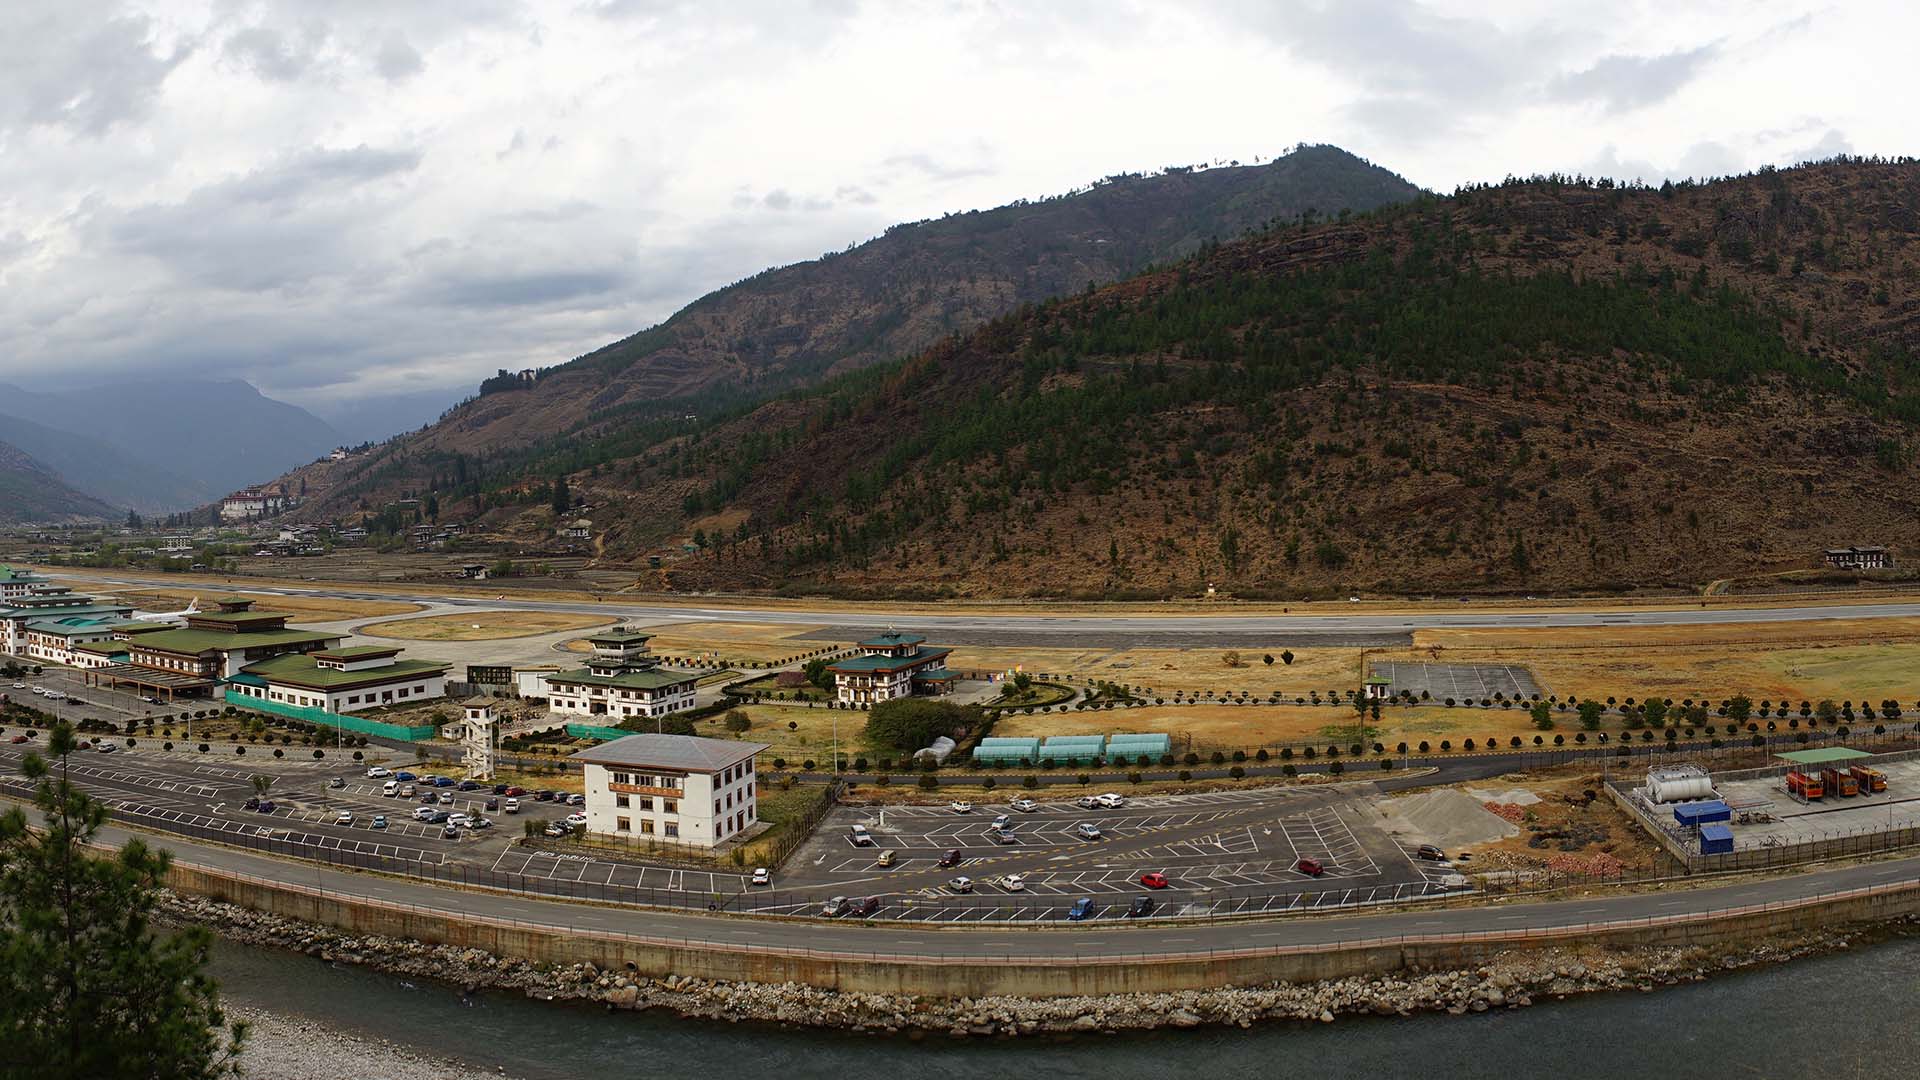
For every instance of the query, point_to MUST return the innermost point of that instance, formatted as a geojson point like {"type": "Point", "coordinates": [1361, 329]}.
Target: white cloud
{"type": "Point", "coordinates": [337, 198]}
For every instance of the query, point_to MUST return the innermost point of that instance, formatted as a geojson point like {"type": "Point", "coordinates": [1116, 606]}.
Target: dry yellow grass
{"type": "Point", "coordinates": [483, 625]}
{"type": "Point", "coordinates": [759, 642]}
{"type": "Point", "coordinates": [811, 736]}
{"type": "Point", "coordinates": [304, 609]}
{"type": "Point", "coordinates": [1167, 670]}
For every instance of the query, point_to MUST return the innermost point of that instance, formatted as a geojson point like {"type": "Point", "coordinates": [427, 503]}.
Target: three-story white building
{"type": "Point", "coordinates": [677, 789]}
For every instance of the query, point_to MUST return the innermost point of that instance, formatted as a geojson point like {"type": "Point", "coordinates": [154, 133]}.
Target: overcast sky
{"type": "Point", "coordinates": [345, 199]}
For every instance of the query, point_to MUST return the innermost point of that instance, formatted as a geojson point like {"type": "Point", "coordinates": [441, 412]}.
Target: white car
{"type": "Point", "coordinates": [1086, 802]}
{"type": "Point", "coordinates": [1111, 801]}
{"type": "Point", "coordinates": [1025, 806]}
{"type": "Point", "coordinates": [378, 771]}
{"type": "Point", "coordinates": [1014, 883]}
{"type": "Point", "coordinates": [961, 884]}
{"type": "Point", "coordinates": [960, 807]}
{"type": "Point", "coordinates": [860, 836]}
{"type": "Point", "coordinates": [761, 876]}
{"type": "Point", "coordinates": [458, 820]}
{"type": "Point", "coordinates": [1088, 831]}
{"type": "Point", "coordinates": [19, 686]}
{"type": "Point", "coordinates": [107, 747]}
{"type": "Point", "coordinates": [1000, 821]}
{"type": "Point", "coordinates": [576, 819]}
{"type": "Point", "coordinates": [344, 817]}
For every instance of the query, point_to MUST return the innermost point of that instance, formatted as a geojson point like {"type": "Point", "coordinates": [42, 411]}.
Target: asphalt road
{"type": "Point", "coordinates": [1139, 940]}
{"type": "Point", "coordinates": [1140, 628]}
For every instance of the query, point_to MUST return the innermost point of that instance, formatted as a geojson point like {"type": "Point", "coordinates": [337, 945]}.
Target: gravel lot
{"type": "Point", "coordinates": [283, 1047]}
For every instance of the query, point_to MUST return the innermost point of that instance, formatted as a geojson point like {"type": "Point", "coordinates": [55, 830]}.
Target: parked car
{"type": "Point", "coordinates": [961, 884]}
{"type": "Point", "coordinates": [835, 905]}
{"type": "Point", "coordinates": [424, 813]}
{"type": "Point", "coordinates": [1025, 806]}
{"type": "Point", "coordinates": [19, 739]}
{"type": "Point", "coordinates": [379, 822]}
{"type": "Point", "coordinates": [554, 828]}
{"type": "Point", "coordinates": [408, 791]}
{"type": "Point", "coordinates": [1110, 801]}
{"type": "Point", "coordinates": [543, 796]}
{"type": "Point", "coordinates": [1086, 802]}
{"type": "Point", "coordinates": [1142, 905]}
{"type": "Point", "coordinates": [445, 781]}
{"type": "Point", "coordinates": [390, 789]}
{"type": "Point", "coordinates": [492, 804]}
{"type": "Point", "coordinates": [469, 785]}
{"type": "Point", "coordinates": [576, 819]}
{"type": "Point", "coordinates": [451, 832]}
{"type": "Point", "coordinates": [1154, 879]}
{"type": "Point", "coordinates": [403, 774]}
{"type": "Point", "coordinates": [1002, 836]}
{"type": "Point", "coordinates": [500, 789]}
{"type": "Point", "coordinates": [512, 806]}
{"type": "Point", "coordinates": [1014, 883]}
{"type": "Point", "coordinates": [253, 802]}
{"type": "Point", "coordinates": [446, 798]}
{"type": "Point", "coordinates": [1088, 831]}
{"type": "Point", "coordinates": [515, 791]}
{"type": "Point", "coordinates": [1081, 909]}
{"type": "Point", "coordinates": [428, 779]}
{"type": "Point", "coordinates": [439, 817]}
{"type": "Point", "coordinates": [885, 858]}
{"type": "Point", "coordinates": [866, 905]}
{"type": "Point", "coordinates": [475, 821]}
{"type": "Point", "coordinates": [266, 806]}
{"type": "Point", "coordinates": [375, 772]}
{"type": "Point", "coordinates": [860, 836]}
{"type": "Point", "coordinates": [1000, 821]}
{"type": "Point", "coordinates": [337, 782]}
{"type": "Point", "coordinates": [457, 820]}
{"type": "Point", "coordinates": [761, 876]}
{"type": "Point", "coordinates": [344, 817]}
{"type": "Point", "coordinates": [1430, 852]}
{"type": "Point", "coordinates": [106, 747]}
{"type": "Point", "coordinates": [960, 807]}
{"type": "Point", "coordinates": [576, 799]}
{"type": "Point", "coordinates": [951, 858]}
{"type": "Point", "coordinates": [1310, 867]}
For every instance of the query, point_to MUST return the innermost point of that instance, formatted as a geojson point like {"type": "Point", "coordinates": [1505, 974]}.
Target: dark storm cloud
{"type": "Point", "coordinates": [510, 289]}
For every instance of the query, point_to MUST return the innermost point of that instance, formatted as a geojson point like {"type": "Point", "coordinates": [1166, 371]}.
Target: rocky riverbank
{"type": "Point", "coordinates": [281, 1047]}
{"type": "Point", "coordinates": [1513, 980]}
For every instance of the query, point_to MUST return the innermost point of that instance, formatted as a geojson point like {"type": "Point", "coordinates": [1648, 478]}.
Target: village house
{"type": "Point", "coordinates": [893, 665]}
{"type": "Point", "coordinates": [1858, 558]}
{"type": "Point", "coordinates": [620, 680]}
{"type": "Point", "coordinates": [672, 788]}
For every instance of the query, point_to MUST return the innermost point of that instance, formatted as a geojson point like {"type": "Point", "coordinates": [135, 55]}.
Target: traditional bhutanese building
{"type": "Point", "coordinates": [49, 607]}
{"type": "Point", "coordinates": [620, 680]}
{"type": "Point", "coordinates": [211, 648]}
{"type": "Point", "coordinates": [343, 680]}
{"type": "Point", "coordinates": [677, 789]}
{"type": "Point", "coordinates": [893, 665]}
{"type": "Point", "coordinates": [18, 582]}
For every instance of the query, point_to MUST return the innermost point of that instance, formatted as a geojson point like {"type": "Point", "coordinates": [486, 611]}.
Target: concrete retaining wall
{"type": "Point", "coordinates": [1035, 974]}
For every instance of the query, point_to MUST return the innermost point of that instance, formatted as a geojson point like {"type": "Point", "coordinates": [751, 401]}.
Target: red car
{"type": "Point", "coordinates": [1310, 867]}
{"type": "Point", "coordinates": [19, 738]}
{"type": "Point", "coordinates": [515, 792]}
{"type": "Point", "coordinates": [1154, 879]}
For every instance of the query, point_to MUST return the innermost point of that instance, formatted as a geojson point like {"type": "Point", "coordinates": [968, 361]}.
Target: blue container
{"type": "Point", "coordinates": [1716, 840]}
{"type": "Point", "coordinates": [1700, 813]}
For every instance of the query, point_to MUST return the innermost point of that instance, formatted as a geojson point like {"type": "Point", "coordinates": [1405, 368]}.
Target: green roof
{"type": "Point", "coordinates": [620, 637]}
{"type": "Point", "coordinates": [119, 611]}
{"type": "Point", "coordinates": [70, 627]}
{"type": "Point", "coordinates": [891, 640]}
{"type": "Point", "coordinates": [360, 652]}
{"type": "Point", "coordinates": [1822, 756]}
{"type": "Point", "coordinates": [300, 670]}
{"type": "Point", "coordinates": [634, 679]}
{"type": "Point", "coordinates": [195, 642]}
{"type": "Point", "coordinates": [865, 664]}
{"type": "Point", "coordinates": [239, 618]}
{"type": "Point", "coordinates": [1377, 680]}
{"type": "Point", "coordinates": [936, 674]}
{"type": "Point", "coordinates": [104, 648]}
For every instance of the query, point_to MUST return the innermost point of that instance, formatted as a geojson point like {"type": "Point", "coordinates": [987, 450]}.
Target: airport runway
{"type": "Point", "coordinates": [1116, 631]}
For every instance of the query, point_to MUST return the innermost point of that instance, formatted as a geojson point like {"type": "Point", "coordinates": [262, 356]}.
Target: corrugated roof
{"type": "Point", "coordinates": [635, 679]}
{"type": "Point", "coordinates": [670, 752]}
{"type": "Point", "coordinates": [866, 664]}
{"type": "Point", "coordinates": [195, 642]}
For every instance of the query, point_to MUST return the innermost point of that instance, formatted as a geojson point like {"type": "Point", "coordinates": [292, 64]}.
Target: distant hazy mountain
{"type": "Point", "coordinates": [31, 492]}
{"type": "Point", "coordinates": [197, 438]}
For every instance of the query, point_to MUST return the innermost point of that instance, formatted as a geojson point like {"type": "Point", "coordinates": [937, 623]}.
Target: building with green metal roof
{"type": "Point", "coordinates": [621, 680]}
{"type": "Point", "coordinates": [212, 647]}
{"type": "Point", "coordinates": [893, 665]}
{"type": "Point", "coordinates": [342, 680]}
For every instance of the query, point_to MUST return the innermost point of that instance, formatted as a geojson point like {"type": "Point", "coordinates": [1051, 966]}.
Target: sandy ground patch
{"type": "Point", "coordinates": [1448, 817]}
{"type": "Point", "coordinates": [1167, 670]}
{"type": "Point", "coordinates": [482, 625]}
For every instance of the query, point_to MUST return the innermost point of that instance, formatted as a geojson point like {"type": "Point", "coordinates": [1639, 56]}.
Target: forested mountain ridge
{"type": "Point", "coordinates": [1533, 385]}
{"type": "Point", "coordinates": [888, 298]}
{"type": "Point", "coordinates": [32, 493]}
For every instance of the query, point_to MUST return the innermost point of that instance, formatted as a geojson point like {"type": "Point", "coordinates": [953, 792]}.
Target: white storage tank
{"type": "Point", "coordinates": [1679, 783]}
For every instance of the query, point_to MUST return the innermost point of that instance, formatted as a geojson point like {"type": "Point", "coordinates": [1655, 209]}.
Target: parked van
{"type": "Point", "coordinates": [390, 788]}
{"type": "Point", "coordinates": [885, 859]}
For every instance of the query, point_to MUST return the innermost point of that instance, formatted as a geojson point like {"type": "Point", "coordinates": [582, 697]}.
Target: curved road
{"type": "Point", "coordinates": [990, 942]}
{"type": "Point", "coordinates": [1193, 626]}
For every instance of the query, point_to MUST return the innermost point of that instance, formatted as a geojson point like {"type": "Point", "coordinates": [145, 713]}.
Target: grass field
{"type": "Point", "coordinates": [305, 609]}
{"type": "Point", "coordinates": [483, 625]}
{"type": "Point", "coordinates": [1182, 669]}
{"type": "Point", "coordinates": [746, 642]}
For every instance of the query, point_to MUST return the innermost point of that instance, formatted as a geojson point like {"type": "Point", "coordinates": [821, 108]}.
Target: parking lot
{"type": "Point", "coordinates": [1458, 681]}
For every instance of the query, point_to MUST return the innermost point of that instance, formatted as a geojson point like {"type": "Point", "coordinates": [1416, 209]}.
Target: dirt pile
{"type": "Point", "coordinates": [1450, 818]}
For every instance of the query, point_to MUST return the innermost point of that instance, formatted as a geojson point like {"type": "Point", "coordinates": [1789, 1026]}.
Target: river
{"type": "Point", "coordinates": [1845, 1015]}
